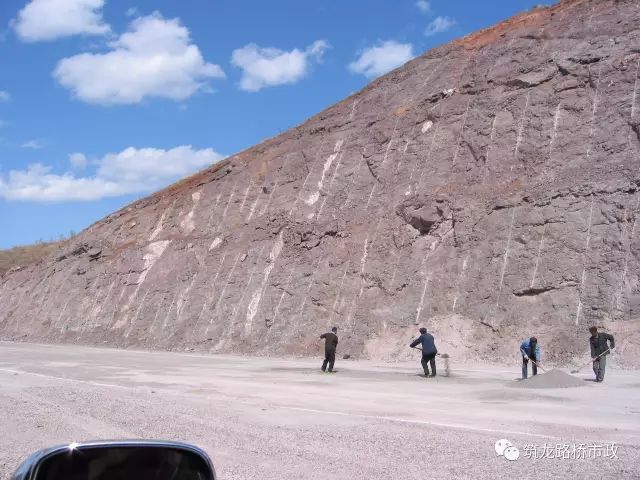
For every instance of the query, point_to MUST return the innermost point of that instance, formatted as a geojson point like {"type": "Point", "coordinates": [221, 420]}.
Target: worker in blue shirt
{"type": "Point", "coordinates": [530, 350]}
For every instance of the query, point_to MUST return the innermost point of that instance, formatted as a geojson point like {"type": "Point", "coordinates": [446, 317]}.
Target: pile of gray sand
{"type": "Point", "coordinates": [552, 379]}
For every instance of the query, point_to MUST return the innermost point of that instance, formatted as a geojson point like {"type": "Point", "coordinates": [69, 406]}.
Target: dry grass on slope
{"type": "Point", "coordinates": [24, 255]}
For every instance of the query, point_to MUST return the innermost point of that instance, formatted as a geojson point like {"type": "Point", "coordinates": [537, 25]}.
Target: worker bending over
{"type": "Point", "coordinates": [429, 351]}
{"type": "Point", "coordinates": [530, 350]}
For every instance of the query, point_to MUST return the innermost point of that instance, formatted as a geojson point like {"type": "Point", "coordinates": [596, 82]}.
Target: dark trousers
{"type": "Point", "coordinates": [429, 360]}
{"type": "Point", "coordinates": [599, 367]}
{"type": "Point", "coordinates": [329, 358]}
{"type": "Point", "coordinates": [525, 367]}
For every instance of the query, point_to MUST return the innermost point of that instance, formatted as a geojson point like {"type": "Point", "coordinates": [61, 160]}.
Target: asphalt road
{"type": "Point", "coordinates": [284, 419]}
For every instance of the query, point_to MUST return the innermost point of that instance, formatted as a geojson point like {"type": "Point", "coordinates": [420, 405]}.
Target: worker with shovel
{"type": "Point", "coordinates": [600, 350]}
{"type": "Point", "coordinates": [429, 351]}
{"type": "Point", "coordinates": [530, 350]}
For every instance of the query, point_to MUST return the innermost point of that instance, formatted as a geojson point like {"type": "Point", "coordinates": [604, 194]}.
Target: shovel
{"type": "Point", "coordinates": [590, 362]}
{"type": "Point", "coordinates": [537, 365]}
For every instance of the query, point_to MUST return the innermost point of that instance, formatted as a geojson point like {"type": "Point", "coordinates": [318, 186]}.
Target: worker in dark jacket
{"type": "Point", "coordinates": [330, 345]}
{"type": "Point", "coordinates": [530, 350]}
{"type": "Point", "coordinates": [429, 351]}
{"type": "Point", "coordinates": [600, 350]}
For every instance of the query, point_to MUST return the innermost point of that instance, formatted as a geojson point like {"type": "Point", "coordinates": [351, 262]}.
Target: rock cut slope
{"type": "Point", "coordinates": [487, 189]}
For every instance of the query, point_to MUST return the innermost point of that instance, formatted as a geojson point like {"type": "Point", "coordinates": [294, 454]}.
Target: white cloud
{"type": "Point", "coordinates": [50, 19]}
{"type": "Point", "coordinates": [380, 59]}
{"type": "Point", "coordinates": [424, 6]}
{"type": "Point", "coordinates": [155, 58]}
{"type": "Point", "coordinates": [439, 25]}
{"type": "Point", "coordinates": [4, 96]}
{"type": "Point", "coordinates": [78, 161]}
{"type": "Point", "coordinates": [130, 171]}
{"type": "Point", "coordinates": [131, 12]}
{"type": "Point", "coordinates": [268, 67]}
{"type": "Point", "coordinates": [33, 144]}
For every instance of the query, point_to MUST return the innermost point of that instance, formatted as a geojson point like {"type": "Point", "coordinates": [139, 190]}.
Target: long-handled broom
{"type": "Point", "coordinates": [446, 361]}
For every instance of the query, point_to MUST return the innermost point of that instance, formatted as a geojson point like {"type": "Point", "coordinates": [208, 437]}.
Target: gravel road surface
{"type": "Point", "coordinates": [280, 419]}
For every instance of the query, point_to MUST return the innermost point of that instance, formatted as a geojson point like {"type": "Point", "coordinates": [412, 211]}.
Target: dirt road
{"type": "Point", "coordinates": [284, 419]}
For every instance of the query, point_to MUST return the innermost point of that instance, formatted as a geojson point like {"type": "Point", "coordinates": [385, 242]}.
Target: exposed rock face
{"type": "Point", "coordinates": [487, 190]}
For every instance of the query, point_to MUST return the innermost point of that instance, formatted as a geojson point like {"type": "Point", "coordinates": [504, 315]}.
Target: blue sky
{"type": "Point", "coordinates": [105, 101]}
